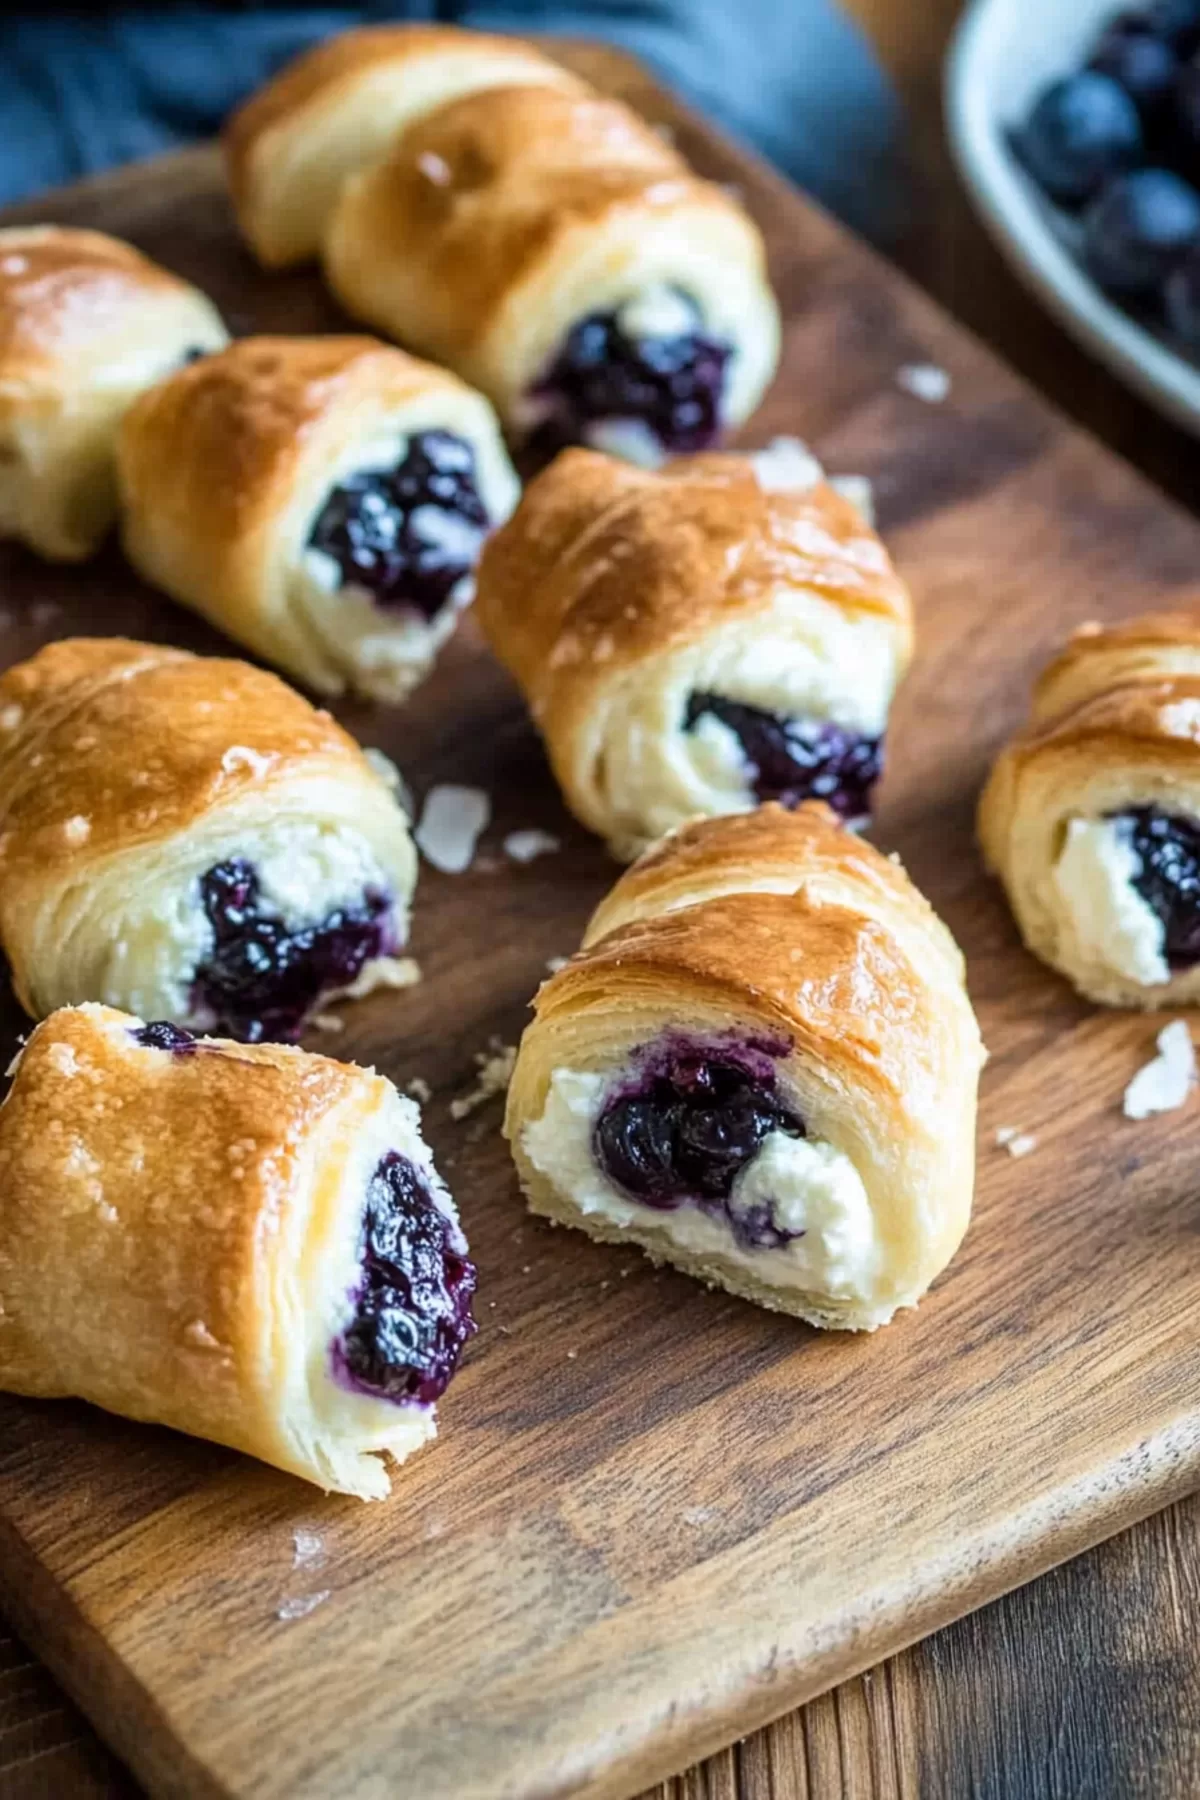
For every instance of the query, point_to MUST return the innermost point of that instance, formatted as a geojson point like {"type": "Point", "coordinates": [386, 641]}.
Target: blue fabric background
{"type": "Point", "coordinates": [792, 77]}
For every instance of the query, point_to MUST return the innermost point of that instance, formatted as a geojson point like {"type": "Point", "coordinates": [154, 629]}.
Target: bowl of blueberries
{"type": "Point", "coordinates": [1076, 125]}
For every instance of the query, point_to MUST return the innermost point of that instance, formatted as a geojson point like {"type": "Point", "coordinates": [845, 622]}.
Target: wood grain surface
{"type": "Point", "coordinates": [702, 1515]}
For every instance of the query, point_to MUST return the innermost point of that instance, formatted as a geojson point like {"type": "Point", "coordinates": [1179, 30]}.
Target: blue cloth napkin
{"type": "Point", "coordinates": [792, 77]}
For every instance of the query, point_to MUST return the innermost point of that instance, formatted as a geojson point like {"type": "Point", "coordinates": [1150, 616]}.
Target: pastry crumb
{"type": "Point", "coordinates": [327, 1021]}
{"type": "Point", "coordinates": [307, 1547]}
{"type": "Point", "coordinates": [240, 756]}
{"type": "Point", "coordinates": [1016, 1141]}
{"type": "Point", "coordinates": [1165, 1082]}
{"type": "Point", "coordinates": [452, 821]}
{"type": "Point", "coordinates": [555, 963]}
{"type": "Point", "coordinates": [383, 972]}
{"type": "Point", "coordinates": [859, 490]}
{"type": "Point", "coordinates": [526, 846]}
{"type": "Point", "coordinates": [199, 1336]}
{"type": "Point", "coordinates": [302, 1605]}
{"type": "Point", "coordinates": [698, 1515]}
{"type": "Point", "coordinates": [571, 1355]}
{"type": "Point", "coordinates": [786, 466]}
{"type": "Point", "coordinates": [418, 1089]}
{"type": "Point", "coordinates": [495, 1066]}
{"type": "Point", "coordinates": [924, 381]}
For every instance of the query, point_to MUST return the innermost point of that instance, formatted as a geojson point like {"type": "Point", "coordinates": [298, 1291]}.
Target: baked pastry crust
{"type": "Point", "coordinates": [1114, 726]}
{"type": "Point", "coordinates": [336, 110]}
{"type": "Point", "coordinates": [614, 592]}
{"type": "Point", "coordinates": [225, 467]}
{"type": "Point", "coordinates": [86, 323]}
{"type": "Point", "coordinates": [180, 1236]}
{"type": "Point", "coordinates": [501, 219]}
{"type": "Point", "coordinates": [126, 770]}
{"type": "Point", "coordinates": [780, 927]}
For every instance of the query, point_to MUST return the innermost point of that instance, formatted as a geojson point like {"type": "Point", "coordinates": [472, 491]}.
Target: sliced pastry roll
{"type": "Point", "coordinates": [1091, 815]}
{"type": "Point", "coordinates": [249, 1244]}
{"type": "Point", "coordinates": [86, 323]}
{"type": "Point", "coordinates": [336, 110]}
{"type": "Point", "coordinates": [556, 252]}
{"type": "Point", "coordinates": [697, 640]}
{"type": "Point", "coordinates": [761, 1067]}
{"type": "Point", "coordinates": [323, 500]}
{"type": "Point", "coordinates": [188, 839]}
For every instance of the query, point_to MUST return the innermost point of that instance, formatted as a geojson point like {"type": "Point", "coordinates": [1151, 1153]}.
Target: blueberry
{"type": "Point", "coordinates": [1138, 229]}
{"type": "Point", "coordinates": [160, 1034]}
{"type": "Point", "coordinates": [1081, 130]}
{"type": "Point", "coordinates": [261, 980]}
{"type": "Point", "coordinates": [635, 1142]}
{"type": "Point", "coordinates": [413, 1310]}
{"type": "Point", "coordinates": [1168, 847]}
{"type": "Point", "coordinates": [1181, 299]}
{"type": "Point", "coordinates": [791, 761]}
{"type": "Point", "coordinates": [673, 385]}
{"type": "Point", "coordinates": [686, 1134]}
{"type": "Point", "coordinates": [1178, 21]}
{"type": "Point", "coordinates": [1138, 60]}
{"type": "Point", "coordinates": [409, 534]}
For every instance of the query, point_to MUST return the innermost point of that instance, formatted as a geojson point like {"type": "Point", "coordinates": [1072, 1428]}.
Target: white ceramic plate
{"type": "Point", "coordinates": [1004, 53]}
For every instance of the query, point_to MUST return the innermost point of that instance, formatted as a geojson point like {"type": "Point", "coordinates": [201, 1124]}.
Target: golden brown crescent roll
{"type": "Point", "coordinates": [550, 247]}
{"type": "Point", "coordinates": [1091, 815]}
{"type": "Point", "coordinates": [336, 109]}
{"type": "Point", "coordinates": [762, 1067]}
{"type": "Point", "coordinates": [86, 323]}
{"type": "Point", "coordinates": [188, 839]}
{"type": "Point", "coordinates": [323, 500]}
{"type": "Point", "coordinates": [248, 1244]}
{"type": "Point", "coordinates": [696, 640]}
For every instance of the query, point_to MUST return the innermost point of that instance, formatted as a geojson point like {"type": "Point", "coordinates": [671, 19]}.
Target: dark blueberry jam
{"type": "Point", "coordinates": [262, 980]}
{"type": "Point", "coordinates": [686, 1129]}
{"type": "Point", "coordinates": [160, 1034]}
{"type": "Point", "coordinates": [793, 760]}
{"type": "Point", "coordinates": [413, 1310]}
{"type": "Point", "coordinates": [193, 353]}
{"type": "Point", "coordinates": [1169, 849]}
{"type": "Point", "coordinates": [672, 385]}
{"type": "Point", "coordinates": [409, 534]}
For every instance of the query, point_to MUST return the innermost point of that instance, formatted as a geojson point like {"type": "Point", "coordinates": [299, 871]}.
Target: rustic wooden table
{"type": "Point", "coordinates": [1086, 1683]}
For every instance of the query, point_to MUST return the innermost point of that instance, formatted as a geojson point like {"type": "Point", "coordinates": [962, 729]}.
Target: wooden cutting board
{"type": "Point", "coordinates": [657, 1517]}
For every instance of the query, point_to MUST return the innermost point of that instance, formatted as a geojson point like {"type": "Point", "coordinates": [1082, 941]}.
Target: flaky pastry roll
{"type": "Point", "coordinates": [188, 839]}
{"type": "Point", "coordinates": [337, 109]}
{"type": "Point", "coordinates": [697, 640]}
{"type": "Point", "coordinates": [1091, 815]}
{"type": "Point", "coordinates": [86, 323]}
{"type": "Point", "coordinates": [556, 252]}
{"type": "Point", "coordinates": [761, 1067]}
{"type": "Point", "coordinates": [323, 500]}
{"type": "Point", "coordinates": [249, 1244]}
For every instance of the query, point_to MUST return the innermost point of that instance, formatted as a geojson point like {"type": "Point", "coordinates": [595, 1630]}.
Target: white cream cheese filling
{"type": "Point", "coordinates": [811, 663]}
{"type": "Point", "coordinates": [804, 1185]}
{"type": "Point", "coordinates": [1112, 926]}
{"type": "Point", "coordinates": [306, 870]}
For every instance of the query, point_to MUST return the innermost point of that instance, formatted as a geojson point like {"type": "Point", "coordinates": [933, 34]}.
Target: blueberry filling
{"type": "Point", "coordinates": [160, 1034]}
{"type": "Point", "coordinates": [413, 1309]}
{"type": "Point", "coordinates": [262, 979]}
{"type": "Point", "coordinates": [792, 760]}
{"type": "Point", "coordinates": [687, 1128]}
{"type": "Point", "coordinates": [673, 385]}
{"type": "Point", "coordinates": [1168, 848]}
{"type": "Point", "coordinates": [409, 534]}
